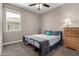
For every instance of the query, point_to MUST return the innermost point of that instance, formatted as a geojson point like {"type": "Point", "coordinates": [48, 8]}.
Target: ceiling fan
{"type": "Point", "coordinates": [39, 5]}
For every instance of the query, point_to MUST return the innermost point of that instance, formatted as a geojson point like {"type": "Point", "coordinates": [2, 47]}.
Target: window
{"type": "Point", "coordinates": [13, 20]}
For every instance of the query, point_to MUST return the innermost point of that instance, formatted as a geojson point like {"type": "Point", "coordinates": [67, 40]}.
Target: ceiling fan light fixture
{"type": "Point", "coordinates": [39, 6]}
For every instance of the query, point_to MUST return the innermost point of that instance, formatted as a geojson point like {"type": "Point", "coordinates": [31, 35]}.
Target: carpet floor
{"type": "Point", "coordinates": [19, 49]}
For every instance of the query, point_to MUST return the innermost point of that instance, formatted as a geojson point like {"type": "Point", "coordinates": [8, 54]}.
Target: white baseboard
{"type": "Point", "coordinates": [8, 43]}
{"type": "Point", "coordinates": [0, 50]}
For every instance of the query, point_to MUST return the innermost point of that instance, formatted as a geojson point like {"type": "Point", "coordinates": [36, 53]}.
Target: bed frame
{"type": "Point", "coordinates": [44, 46]}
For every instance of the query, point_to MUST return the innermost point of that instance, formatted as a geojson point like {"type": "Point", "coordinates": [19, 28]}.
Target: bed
{"type": "Point", "coordinates": [44, 42]}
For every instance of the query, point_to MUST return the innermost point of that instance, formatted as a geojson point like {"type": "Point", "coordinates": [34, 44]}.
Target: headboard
{"type": "Point", "coordinates": [56, 32]}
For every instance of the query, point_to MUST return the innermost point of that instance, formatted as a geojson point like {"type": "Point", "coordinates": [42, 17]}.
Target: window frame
{"type": "Point", "coordinates": [16, 12]}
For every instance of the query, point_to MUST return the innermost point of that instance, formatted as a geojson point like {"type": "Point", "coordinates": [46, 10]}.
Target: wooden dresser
{"type": "Point", "coordinates": [71, 38]}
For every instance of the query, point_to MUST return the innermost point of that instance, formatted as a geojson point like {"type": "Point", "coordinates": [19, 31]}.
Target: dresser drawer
{"type": "Point", "coordinates": [71, 38]}
{"type": "Point", "coordinates": [72, 42]}
{"type": "Point", "coordinates": [67, 29]}
{"type": "Point", "coordinates": [71, 32]}
{"type": "Point", "coordinates": [75, 30]}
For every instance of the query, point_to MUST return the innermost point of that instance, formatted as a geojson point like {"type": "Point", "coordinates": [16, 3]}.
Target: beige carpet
{"type": "Point", "coordinates": [19, 49]}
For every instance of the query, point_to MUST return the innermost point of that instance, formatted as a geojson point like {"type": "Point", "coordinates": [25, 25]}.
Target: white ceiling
{"type": "Point", "coordinates": [34, 9]}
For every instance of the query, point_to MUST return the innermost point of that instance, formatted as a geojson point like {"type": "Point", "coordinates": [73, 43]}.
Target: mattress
{"type": "Point", "coordinates": [41, 37]}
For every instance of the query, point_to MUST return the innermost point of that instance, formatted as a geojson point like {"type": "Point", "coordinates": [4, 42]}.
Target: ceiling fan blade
{"type": "Point", "coordinates": [32, 4]}
{"type": "Point", "coordinates": [46, 5]}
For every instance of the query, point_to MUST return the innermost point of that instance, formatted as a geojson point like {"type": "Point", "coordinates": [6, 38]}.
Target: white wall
{"type": "Point", "coordinates": [0, 27]}
{"type": "Point", "coordinates": [29, 25]}
{"type": "Point", "coordinates": [54, 19]}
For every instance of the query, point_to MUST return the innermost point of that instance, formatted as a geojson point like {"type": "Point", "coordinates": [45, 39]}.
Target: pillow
{"type": "Point", "coordinates": [56, 33]}
{"type": "Point", "coordinates": [48, 32]}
